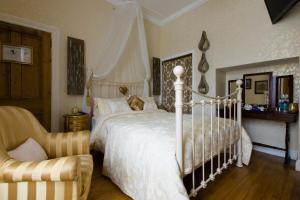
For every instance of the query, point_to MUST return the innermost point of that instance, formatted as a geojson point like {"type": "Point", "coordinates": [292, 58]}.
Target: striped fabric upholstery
{"type": "Point", "coordinates": [39, 191]}
{"type": "Point", "coordinates": [61, 169]}
{"type": "Point", "coordinates": [86, 166]}
{"type": "Point", "coordinates": [67, 144]}
{"type": "Point", "coordinates": [66, 176]}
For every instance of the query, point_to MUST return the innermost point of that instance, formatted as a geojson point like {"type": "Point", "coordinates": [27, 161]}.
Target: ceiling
{"type": "Point", "coordinates": [161, 12]}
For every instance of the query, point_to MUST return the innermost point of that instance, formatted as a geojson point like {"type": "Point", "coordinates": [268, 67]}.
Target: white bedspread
{"type": "Point", "coordinates": [140, 152]}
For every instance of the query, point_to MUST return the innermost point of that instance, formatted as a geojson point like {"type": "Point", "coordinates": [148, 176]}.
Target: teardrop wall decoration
{"type": "Point", "coordinates": [203, 65]}
{"type": "Point", "coordinates": [204, 43]}
{"type": "Point", "coordinates": [203, 87]}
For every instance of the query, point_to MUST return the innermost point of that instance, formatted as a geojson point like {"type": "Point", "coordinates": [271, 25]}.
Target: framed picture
{"type": "Point", "coordinates": [248, 83]}
{"type": "Point", "coordinates": [16, 54]}
{"type": "Point", "coordinates": [261, 87]}
{"type": "Point", "coordinates": [76, 67]}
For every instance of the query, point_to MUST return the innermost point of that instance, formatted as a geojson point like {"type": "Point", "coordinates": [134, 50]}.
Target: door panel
{"type": "Point", "coordinates": [31, 73]}
{"type": "Point", "coordinates": [4, 81]}
{"type": "Point", "coordinates": [4, 69]}
{"type": "Point", "coordinates": [27, 86]}
{"type": "Point", "coordinates": [15, 77]}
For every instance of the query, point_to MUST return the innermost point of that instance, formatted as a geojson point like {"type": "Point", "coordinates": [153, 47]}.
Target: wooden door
{"type": "Point", "coordinates": [27, 86]}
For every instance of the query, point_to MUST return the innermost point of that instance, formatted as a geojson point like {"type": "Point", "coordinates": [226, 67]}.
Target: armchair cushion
{"type": "Point", "coordinates": [63, 177]}
{"type": "Point", "coordinates": [86, 167]}
{"type": "Point", "coordinates": [61, 169]}
{"type": "Point", "coordinates": [30, 150]}
{"type": "Point", "coordinates": [67, 144]}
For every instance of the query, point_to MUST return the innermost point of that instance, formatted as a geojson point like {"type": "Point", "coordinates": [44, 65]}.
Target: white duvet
{"type": "Point", "coordinates": [139, 151]}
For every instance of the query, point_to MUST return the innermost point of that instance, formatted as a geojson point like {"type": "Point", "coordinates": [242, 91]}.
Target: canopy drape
{"type": "Point", "coordinates": [124, 59]}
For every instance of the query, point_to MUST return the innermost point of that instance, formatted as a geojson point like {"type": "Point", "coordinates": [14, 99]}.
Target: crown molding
{"type": "Point", "coordinates": [161, 22]}
{"type": "Point", "coordinates": [152, 16]}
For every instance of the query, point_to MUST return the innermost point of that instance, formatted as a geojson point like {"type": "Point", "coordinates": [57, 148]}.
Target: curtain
{"type": "Point", "coordinates": [123, 60]}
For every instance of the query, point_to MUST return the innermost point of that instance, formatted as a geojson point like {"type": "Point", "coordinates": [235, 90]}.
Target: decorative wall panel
{"type": "Point", "coordinates": [156, 76]}
{"type": "Point", "coordinates": [76, 68]}
{"type": "Point", "coordinates": [168, 78]}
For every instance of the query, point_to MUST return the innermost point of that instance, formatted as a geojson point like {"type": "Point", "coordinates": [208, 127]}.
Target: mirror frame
{"type": "Point", "coordinates": [229, 82]}
{"type": "Point", "coordinates": [291, 85]}
{"type": "Point", "coordinates": [271, 99]}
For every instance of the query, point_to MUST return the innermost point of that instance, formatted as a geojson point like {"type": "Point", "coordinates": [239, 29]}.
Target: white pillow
{"type": "Point", "coordinates": [30, 150]}
{"type": "Point", "coordinates": [111, 105]}
{"type": "Point", "coordinates": [120, 105]}
{"type": "Point", "coordinates": [101, 107]}
{"type": "Point", "coordinates": [149, 103]}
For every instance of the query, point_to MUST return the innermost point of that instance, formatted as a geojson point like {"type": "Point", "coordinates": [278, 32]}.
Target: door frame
{"type": "Point", "coordinates": [55, 42]}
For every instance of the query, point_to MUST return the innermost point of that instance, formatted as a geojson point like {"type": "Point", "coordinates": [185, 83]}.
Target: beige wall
{"type": "Point", "coordinates": [278, 68]}
{"type": "Point", "coordinates": [270, 132]}
{"type": "Point", "coordinates": [153, 39]}
{"type": "Point", "coordinates": [153, 42]}
{"type": "Point", "coordinates": [240, 33]}
{"type": "Point", "coordinates": [87, 20]}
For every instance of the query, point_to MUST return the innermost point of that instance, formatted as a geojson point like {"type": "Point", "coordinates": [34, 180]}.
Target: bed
{"type": "Point", "coordinates": [148, 153]}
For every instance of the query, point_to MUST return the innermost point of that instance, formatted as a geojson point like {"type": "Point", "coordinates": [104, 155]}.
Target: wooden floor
{"type": "Point", "coordinates": [264, 179]}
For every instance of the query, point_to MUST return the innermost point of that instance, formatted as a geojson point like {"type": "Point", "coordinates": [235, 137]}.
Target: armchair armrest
{"type": "Point", "coordinates": [67, 144]}
{"type": "Point", "coordinates": [61, 169]}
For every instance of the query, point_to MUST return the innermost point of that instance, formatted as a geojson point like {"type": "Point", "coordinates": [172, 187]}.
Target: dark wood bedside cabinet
{"type": "Point", "coordinates": [76, 122]}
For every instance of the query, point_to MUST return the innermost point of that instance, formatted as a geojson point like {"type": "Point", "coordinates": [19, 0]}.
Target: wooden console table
{"type": "Point", "coordinates": [287, 118]}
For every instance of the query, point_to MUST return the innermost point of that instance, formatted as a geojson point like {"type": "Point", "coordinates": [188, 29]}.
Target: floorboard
{"type": "Point", "coordinates": [264, 179]}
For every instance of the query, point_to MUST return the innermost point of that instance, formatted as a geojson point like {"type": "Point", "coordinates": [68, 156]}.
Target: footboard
{"type": "Point", "coordinates": [209, 106]}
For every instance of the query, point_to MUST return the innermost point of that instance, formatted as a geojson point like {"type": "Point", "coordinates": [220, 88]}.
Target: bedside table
{"type": "Point", "coordinates": [76, 122]}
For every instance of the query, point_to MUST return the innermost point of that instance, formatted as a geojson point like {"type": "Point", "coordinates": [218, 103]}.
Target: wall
{"type": "Point", "coordinates": [87, 20]}
{"type": "Point", "coordinates": [240, 33]}
{"type": "Point", "coordinates": [153, 39]}
{"type": "Point", "coordinates": [278, 68]}
{"type": "Point", "coordinates": [153, 42]}
{"type": "Point", "coordinates": [268, 132]}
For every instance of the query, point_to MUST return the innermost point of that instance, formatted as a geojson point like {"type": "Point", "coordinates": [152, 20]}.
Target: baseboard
{"type": "Point", "coordinates": [276, 152]}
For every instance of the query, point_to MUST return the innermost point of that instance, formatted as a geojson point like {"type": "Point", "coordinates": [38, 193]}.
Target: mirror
{"type": "Point", "coordinates": [258, 89]}
{"type": "Point", "coordinates": [231, 86]}
{"type": "Point", "coordinates": [284, 86]}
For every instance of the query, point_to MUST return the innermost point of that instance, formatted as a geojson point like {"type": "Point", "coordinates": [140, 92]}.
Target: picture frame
{"type": "Point", "coordinates": [16, 54]}
{"type": "Point", "coordinates": [248, 84]}
{"type": "Point", "coordinates": [261, 86]}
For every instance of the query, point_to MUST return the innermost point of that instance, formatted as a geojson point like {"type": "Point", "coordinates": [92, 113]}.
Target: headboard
{"type": "Point", "coordinates": [107, 89]}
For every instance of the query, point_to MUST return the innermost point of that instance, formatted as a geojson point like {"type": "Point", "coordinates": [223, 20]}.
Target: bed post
{"type": "Point", "coordinates": [239, 121]}
{"type": "Point", "coordinates": [178, 84]}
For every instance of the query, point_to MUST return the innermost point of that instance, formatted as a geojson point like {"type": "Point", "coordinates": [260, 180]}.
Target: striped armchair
{"type": "Point", "coordinates": [67, 173]}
